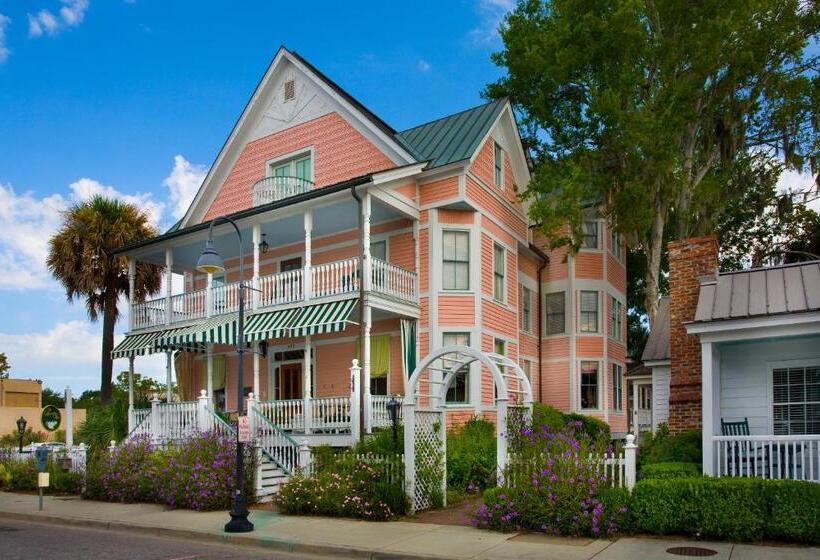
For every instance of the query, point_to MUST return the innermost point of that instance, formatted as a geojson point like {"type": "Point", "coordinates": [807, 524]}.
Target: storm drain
{"type": "Point", "coordinates": [691, 551]}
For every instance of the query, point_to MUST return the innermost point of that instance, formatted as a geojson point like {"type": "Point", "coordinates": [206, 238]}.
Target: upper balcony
{"type": "Point", "coordinates": [273, 189]}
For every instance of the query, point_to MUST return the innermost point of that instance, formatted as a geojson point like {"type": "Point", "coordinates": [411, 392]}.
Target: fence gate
{"type": "Point", "coordinates": [425, 416]}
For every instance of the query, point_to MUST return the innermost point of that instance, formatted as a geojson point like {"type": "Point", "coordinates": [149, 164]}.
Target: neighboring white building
{"type": "Point", "coordinates": [651, 394]}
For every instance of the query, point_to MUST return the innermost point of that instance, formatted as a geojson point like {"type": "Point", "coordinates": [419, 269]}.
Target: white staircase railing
{"type": "Point", "coordinates": [281, 288]}
{"type": "Point", "coordinates": [394, 281]}
{"type": "Point", "coordinates": [141, 420]}
{"type": "Point", "coordinates": [274, 442]}
{"type": "Point", "coordinates": [339, 277]}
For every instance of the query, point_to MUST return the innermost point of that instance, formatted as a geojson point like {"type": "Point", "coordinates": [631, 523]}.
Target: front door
{"type": "Point", "coordinates": [642, 419]}
{"type": "Point", "coordinates": [290, 381]}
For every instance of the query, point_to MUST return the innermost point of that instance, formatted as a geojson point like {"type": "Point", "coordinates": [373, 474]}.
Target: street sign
{"type": "Point", "coordinates": [41, 458]}
{"type": "Point", "coordinates": [244, 429]}
{"type": "Point", "coordinates": [42, 480]}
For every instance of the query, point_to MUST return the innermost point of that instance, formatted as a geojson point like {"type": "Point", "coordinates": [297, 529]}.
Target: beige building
{"type": "Point", "coordinates": [23, 397]}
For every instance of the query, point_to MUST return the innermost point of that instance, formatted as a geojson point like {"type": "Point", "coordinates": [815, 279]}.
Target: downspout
{"type": "Point", "coordinates": [361, 310]}
{"type": "Point", "coordinates": [544, 262]}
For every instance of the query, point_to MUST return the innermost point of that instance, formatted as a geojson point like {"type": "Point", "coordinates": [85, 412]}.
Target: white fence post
{"type": "Point", "coordinates": [112, 446]}
{"type": "Point", "coordinates": [305, 457]}
{"type": "Point", "coordinates": [69, 418]}
{"type": "Point", "coordinates": [631, 460]}
{"type": "Point", "coordinates": [355, 404]}
{"type": "Point", "coordinates": [251, 415]}
{"type": "Point", "coordinates": [203, 423]}
{"type": "Point", "coordinates": [501, 439]}
{"type": "Point", "coordinates": [156, 421]}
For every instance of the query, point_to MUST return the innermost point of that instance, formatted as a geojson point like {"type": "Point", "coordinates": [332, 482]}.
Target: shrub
{"type": "Point", "coordinates": [104, 424]}
{"type": "Point", "coordinates": [663, 447]}
{"type": "Point", "coordinates": [552, 487]}
{"type": "Point", "coordinates": [471, 456]}
{"type": "Point", "coordinates": [12, 440]}
{"type": "Point", "coordinates": [545, 415]}
{"type": "Point", "coordinates": [671, 470]}
{"type": "Point", "coordinates": [380, 442]}
{"type": "Point", "coordinates": [793, 511]}
{"type": "Point", "coordinates": [596, 430]}
{"type": "Point", "coordinates": [17, 476]}
{"type": "Point", "coordinates": [344, 486]}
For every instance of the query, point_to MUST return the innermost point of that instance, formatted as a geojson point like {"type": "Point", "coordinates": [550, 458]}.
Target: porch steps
{"type": "Point", "coordinates": [270, 478]}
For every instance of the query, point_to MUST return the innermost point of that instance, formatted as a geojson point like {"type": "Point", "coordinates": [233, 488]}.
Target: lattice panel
{"type": "Point", "coordinates": [430, 465]}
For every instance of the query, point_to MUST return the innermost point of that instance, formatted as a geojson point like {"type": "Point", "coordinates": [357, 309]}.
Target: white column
{"type": "Point", "coordinates": [710, 403]}
{"type": "Point", "coordinates": [368, 420]}
{"type": "Point", "coordinates": [307, 383]}
{"type": "Point", "coordinates": [366, 264]}
{"type": "Point", "coordinates": [169, 365]}
{"type": "Point", "coordinates": [305, 456]}
{"type": "Point", "coordinates": [169, 266]}
{"type": "Point", "coordinates": [501, 438]}
{"type": "Point", "coordinates": [131, 425]}
{"type": "Point", "coordinates": [257, 239]}
{"type": "Point", "coordinates": [202, 416]}
{"type": "Point", "coordinates": [631, 461]}
{"type": "Point", "coordinates": [307, 277]}
{"type": "Point", "coordinates": [209, 295]}
{"type": "Point", "coordinates": [69, 418]}
{"type": "Point", "coordinates": [132, 278]}
{"type": "Point", "coordinates": [355, 405]}
{"type": "Point", "coordinates": [255, 348]}
{"type": "Point", "coordinates": [210, 365]}
{"type": "Point", "coordinates": [156, 422]}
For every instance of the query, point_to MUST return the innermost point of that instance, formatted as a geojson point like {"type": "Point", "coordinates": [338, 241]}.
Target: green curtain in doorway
{"type": "Point", "coordinates": [219, 372]}
{"type": "Point", "coordinates": [379, 354]}
{"type": "Point", "coordinates": [408, 346]}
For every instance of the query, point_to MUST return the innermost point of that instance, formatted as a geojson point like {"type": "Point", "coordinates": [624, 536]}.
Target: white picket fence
{"type": "Point", "coordinates": [76, 454]}
{"type": "Point", "coordinates": [771, 457]}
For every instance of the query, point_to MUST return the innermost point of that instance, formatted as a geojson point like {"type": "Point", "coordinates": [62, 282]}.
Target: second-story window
{"type": "Point", "coordinates": [555, 320]}
{"type": "Point", "coordinates": [378, 250]}
{"type": "Point", "coordinates": [589, 312]}
{"type": "Point", "coordinates": [498, 165]}
{"type": "Point", "coordinates": [455, 260]}
{"type": "Point", "coordinates": [526, 309]}
{"type": "Point", "coordinates": [298, 167]}
{"type": "Point", "coordinates": [617, 319]}
{"type": "Point", "coordinates": [591, 234]}
{"type": "Point", "coordinates": [499, 272]}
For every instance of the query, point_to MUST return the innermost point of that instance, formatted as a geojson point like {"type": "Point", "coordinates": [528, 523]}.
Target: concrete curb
{"type": "Point", "coordinates": [269, 543]}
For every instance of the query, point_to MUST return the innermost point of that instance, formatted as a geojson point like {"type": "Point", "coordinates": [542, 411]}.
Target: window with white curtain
{"type": "Point", "coordinates": [455, 260]}
{"type": "Point", "coordinates": [796, 399]}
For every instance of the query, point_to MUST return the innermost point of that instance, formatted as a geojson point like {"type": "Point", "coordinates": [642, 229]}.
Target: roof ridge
{"type": "Point", "coordinates": [451, 115]}
{"type": "Point", "coordinates": [775, 267]}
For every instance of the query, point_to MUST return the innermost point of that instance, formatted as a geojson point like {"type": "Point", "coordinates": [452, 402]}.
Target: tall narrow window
{"type": "Point", "coordinates": [617, 388]}
{"type": "Point", "coordinates": [555, 320]}
{"type": "Point", "coordinates": [459, 391]}
{"type": "Point", "coordinates": [796, 400]}
{"type": "Point", "coordinates": [617, 319]}
{"type": "Point", "coordinates": [500, 346]}
{"type": "Point", "coordinates": [591, 234]}
{"type": "Point", "coordinates": [499, 165]}
{"type": "Point", "coordinates": [526, 310]}
{"type": "Point", "coordinates": [456, 260]}
{"type": "Point", "coordinates": [589, 384]}
{"type": "Point", "coordinates": [499, 272]}
{"type": "Point", "coordinates": [589, 312]}
{"type": "Point", "coordinates": [615, 244]}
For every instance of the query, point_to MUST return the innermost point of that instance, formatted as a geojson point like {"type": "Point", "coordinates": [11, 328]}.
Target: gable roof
{"type": "Point", "coordinates": [760, 292]}
{"type": "Point", "coordinates": [657, 345]}
{"type": "Point", "coordinates": [452, 138]}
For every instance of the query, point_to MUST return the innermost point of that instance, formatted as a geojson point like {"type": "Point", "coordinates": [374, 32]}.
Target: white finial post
{"type": "Point", "coordinates": [631, 461]}
{"type": "Point", "coordinates": [355, 401]}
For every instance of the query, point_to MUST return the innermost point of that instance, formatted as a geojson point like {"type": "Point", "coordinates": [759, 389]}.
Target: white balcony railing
{"type": "Point", "coordinates": [281, 288]}
{"type": "Point", "coordinates": [776, 457]}
{"type": "Point", "coordinates": [189, 305]}
{"type": "Point", "coordinates": [339, 277]}
{"type": "Point", "coordinates": [271, 189]}
{"type": "Point", "coordinates": [392, 280]}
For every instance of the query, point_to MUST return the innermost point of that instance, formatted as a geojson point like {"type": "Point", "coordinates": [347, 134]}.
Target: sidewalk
{"type": "Point", "coordinates": [360, 539]}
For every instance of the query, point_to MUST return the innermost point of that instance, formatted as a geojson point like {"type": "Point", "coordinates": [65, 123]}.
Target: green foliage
{"type": "Point", "coordinates": [545, 415]}
{"type": "Point", "coordinates": [29, 437]}
{"type": "Point", "coordinates": [663, 447]}
{"type": "Point", "coordinates": [104, 423]}
{"type": "Point", "coordinates": [346, 485]}
{"type": "Point", "coordinates": [381, 442]}
{"type": "Point", "coordinates": [21, 476]}
{"type": "Point", "coordinates": [430, 463]}
{"type": "Point", "coordinates": [596, 430]}
{"type": "Point", "coordinates": [671, 470]}
{"type": "Point", "coordinates": [738, 509]}
{"type": "Point", "coordinates": [471, 456]}
{"type": "Point", "coordinates": [4, 366]}
{"type": "Point", "coordinates": [53, 398]}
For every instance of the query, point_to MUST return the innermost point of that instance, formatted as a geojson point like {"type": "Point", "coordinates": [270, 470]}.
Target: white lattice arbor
{"type": "Point", "coordinates": [425, 415]}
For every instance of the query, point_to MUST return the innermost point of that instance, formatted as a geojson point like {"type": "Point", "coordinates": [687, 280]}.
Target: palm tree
{"type": "Point", "coordinates": [80, 258]}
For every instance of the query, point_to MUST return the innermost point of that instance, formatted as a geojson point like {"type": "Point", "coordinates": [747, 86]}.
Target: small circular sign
{"type": "Point", "coordinates": [51, 418]}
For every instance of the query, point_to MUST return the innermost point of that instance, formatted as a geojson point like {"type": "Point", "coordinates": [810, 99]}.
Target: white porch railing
{"type": "Point", "coordinates": [141, 420]}
{"type": "Point", "coordinates": [280, 288]}
{"type": "Point", "coordinates": [380, 417]}
{"type": "Point", "coordinates": [330, 413]}
{"type": "Point", "coordinates": [174, 421]}
{"type": "Point", "coordinates": [339, 277]}
{"type": "Point", "coordinates": [147, 314]}
{"type": "Point", "coordinates": [225, 298]}
{"type": "Point", "coordinates": [774, 457]}
{"type": "Point", "coordinates": [392, 280]}
{"type": "Point", "coordinates": [286, 414]}
{"type": "Point", "coordinates": [189, 305]}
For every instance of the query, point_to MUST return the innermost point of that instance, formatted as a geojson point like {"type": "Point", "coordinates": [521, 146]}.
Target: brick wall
{"type": "Point", "coordinates": [689, 260]}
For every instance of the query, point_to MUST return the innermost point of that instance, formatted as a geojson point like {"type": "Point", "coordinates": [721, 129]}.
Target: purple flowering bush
{"type": "Point", "coordinates": [552, 486]}
{"type": "Point", "coordinates": [198, 475]}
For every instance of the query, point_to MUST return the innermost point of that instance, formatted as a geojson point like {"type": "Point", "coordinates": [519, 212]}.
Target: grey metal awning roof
{"type": "Point", "coordinates": [657, 345]}
{"type": "Point", "coordinates": [791, 288]}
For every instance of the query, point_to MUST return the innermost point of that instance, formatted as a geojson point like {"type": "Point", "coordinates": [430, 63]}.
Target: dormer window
{"type": "Point", "coordinates": [299, 167]}
{"type": "Point", "coordinates": [289, 90]}
{"type": "Point", "coordinates": [499, 166]}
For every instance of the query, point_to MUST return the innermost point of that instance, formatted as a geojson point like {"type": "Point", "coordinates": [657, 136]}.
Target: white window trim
{"type": "Point", "coordinates": [616, 252]}
{"type": "Point", "coordinates": [503, 298]}
{"type": "Point", "coordinates": [599, 408]}
{"type": "Point", "coordinates": [599, 238]}
{"type": "Point", "coordinates": [498, 149]}
{"type": "Point", "coordinates": [290, 158]}
{"type": "Point", "coordinates": [770, 367]}
{"type": "Point", "coordinates": [611, 333]}
{"type": "Point", "coordinates": [528, 328]}
{"type": "Point", "coordinates": [470, 267]}
{"type": "Point", "coordinates": [469, 402]}
{"type": "Point", "coordinates": [578, 315]}
{"type": "Point", "coordinates": [544, 318]}
{"type": "Point", "coordinates": [621, 407]}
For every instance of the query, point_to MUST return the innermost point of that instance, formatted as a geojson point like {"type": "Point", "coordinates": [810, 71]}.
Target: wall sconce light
{"type": "Point", "coordinates": [263, 245]}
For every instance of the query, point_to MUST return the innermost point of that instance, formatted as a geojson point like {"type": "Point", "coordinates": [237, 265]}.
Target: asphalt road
{"type": "Point", "coordinates": [24, 540]}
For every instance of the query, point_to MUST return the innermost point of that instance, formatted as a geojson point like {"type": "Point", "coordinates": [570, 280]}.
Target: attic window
{"type": "Point", "coordinates": [289, 90]}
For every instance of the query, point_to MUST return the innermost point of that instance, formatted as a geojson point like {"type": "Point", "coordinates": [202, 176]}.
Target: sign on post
{"type": "Point", "coordinates": [41, 458]}
{"type": "Point", "coordinates": [244, 434]}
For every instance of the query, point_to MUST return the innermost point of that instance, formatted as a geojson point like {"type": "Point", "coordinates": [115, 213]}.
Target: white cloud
{"type": "Point", "coordinates": [5, 21]}
{"type": "Point", "coordinates": [73, 11]}
{"type": "Point", "coordinates": [183, 184]}
{"type": "Point", "coordinates": [423, 65]}
{"type": "Point", "coordinates": [491, 13]}
{"type": "Point", "coordinates": [85, 188]}
{"type": "Point", "coordinates": [792, 180]}
{"type": "Point", "coordinates": [44, 22]}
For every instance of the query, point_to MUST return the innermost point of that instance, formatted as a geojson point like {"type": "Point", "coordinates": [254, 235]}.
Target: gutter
{"type": "Point", "coordinates": [544, 262]}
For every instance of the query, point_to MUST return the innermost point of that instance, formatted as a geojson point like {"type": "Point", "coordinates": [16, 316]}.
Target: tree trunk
{"type": "Point", "coordinates": [654, 250]}
{"type": "Point", "coordinates": [106, 362]}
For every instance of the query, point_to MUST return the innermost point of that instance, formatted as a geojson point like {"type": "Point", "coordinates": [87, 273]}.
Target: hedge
{"type": "Point", "coordinates": [737, 509]}
{"type": "Point", "coordinates": [671, 470]}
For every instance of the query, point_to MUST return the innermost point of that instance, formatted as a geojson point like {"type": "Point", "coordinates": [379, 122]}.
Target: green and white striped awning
{"type": "Point", "coordinates": [138, 344]}
{"type": "Point", "coordinates": [217, 330]}
{"type": "Point", "coordinates": [322, 318]}
{"type": "Point", "coordinates": [273, 324]}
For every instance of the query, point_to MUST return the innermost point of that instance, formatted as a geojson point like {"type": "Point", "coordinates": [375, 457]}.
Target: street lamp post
{"type": "Point", "coordinates": [393, 412]}
{"type": "Point", "coordinates": [21, 430]}
{"type": "Point", "coordinates": [210, 262]}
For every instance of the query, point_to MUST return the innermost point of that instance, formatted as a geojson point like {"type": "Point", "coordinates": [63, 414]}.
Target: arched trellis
{"type": "Point", "coordinates": [425, 420]}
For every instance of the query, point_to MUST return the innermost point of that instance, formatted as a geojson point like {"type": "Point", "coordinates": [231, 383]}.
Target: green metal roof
{"type": "Point", "coordinates": [452, 138]}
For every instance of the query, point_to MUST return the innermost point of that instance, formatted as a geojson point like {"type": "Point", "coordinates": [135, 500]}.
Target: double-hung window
{"type": "Point", "coordinates": [796, 399]}
{"type": "Point", "coordinates": [555, 320]}
{"type": "Point", "coordinates": [617, 319]}
{"type": "Point", "coordinates": [498, 165]}
{"type": "Point", "coordinates": [459, 391]}
{"type": "Point", "coordinates": [526, 309]}
{"type": "Point", "coordinates": [298, 167]}
{"type": "Point", "coordinates": [615, 244]}
{"type": "Point", "coordinates": [589, 385]}
{"type": "Point", "coordinates": [617, 387]}
{"type": "Point", "coordinates": [591, 234]}
{"type": "Point", "coordinates": [589, 312]}
{"type": "Point", "coordinates": [456, 260]}
{"type": "Point", "coordinates": [499, 272]}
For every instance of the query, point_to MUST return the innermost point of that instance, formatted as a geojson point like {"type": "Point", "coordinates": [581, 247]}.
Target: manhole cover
{"type": "Point", "coordinates": [691, 551]}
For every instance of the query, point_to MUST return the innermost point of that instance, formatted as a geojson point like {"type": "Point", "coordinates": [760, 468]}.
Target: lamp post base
{"type": "Point", "coordinates": [239, 518]}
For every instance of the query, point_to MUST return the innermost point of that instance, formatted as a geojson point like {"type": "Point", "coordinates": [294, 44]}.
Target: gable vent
{"type": "Point", "coordinates": [289, 90]}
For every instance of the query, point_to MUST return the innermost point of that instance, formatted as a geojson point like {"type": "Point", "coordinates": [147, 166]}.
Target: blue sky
{"type": "Point", "coordinates": [134, 99]}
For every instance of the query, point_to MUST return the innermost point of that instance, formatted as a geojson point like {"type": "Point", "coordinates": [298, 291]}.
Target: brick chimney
{"type": "Point", "coordinates": [689, 261]}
